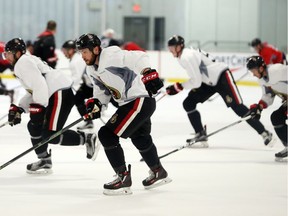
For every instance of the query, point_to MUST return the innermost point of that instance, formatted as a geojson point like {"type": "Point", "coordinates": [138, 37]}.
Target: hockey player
{"type": "Point", "coordinates": [49, 99]}
{"type": "Point", "coordinates": [4, 64]}
{"type": "Point", "coordinates": [44, 45]}
{"type": "Point", "coordinates": [273, 79]}
{"type": "Point", "coordinates": [117, 73]}
{"type": "Point", "coordinates": [82, 83]}
{"type": "Point", "coordinates": [108, 38]}
{"type": "Point", "coordinates": [206, 77]}
{"type": "Point", "coordinates": [270, 54]}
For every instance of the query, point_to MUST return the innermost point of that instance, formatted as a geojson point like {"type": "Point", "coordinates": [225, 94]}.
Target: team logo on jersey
{"type": "Point", "coordinates": [228, 99]}
{"type": "Point", "coordinates": [114, 92]}
{"type": "Point", "coordinates": [114, 118]}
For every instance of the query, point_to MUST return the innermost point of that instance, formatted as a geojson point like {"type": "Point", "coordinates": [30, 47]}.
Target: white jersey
{"type": "Point", "coordinates": [119, 73]}
{"type": "Point", "coordinates": [275, 83]}
{"type": "Point", "coordinates": [77, 66]}
{"type": "Point", "coordinates": [40, 80]}
{"type": "Point", "coordinates": [200, 68]}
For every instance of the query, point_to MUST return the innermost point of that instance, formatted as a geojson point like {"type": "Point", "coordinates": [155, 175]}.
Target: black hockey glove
{"type": "Point", "coordinates": [256, 109]}
{"type": "Point", "coordinates": [174, 89]}
{"type": "Point", "coordinates": [37, 114]}
{"type": "Point", "coordinates": [14, 115]}
{"type": "Point", "coordinates": [152, 81]}
{"type": "Point", "coordinates": [93, 108]}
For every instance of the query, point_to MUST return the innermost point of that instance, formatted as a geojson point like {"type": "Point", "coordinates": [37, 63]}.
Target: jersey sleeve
{"type": "Point", "coordinates": [268, 95]}
{"type": "Point", "coordinates": [191, 63]}
{"type": "Point", "coordinates": [136, 60]}
{"type": "Point", "coordinates": [33, 80]}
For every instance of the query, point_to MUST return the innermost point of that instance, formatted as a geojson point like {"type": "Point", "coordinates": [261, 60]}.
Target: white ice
{"type": "Point", "coordinates": [235, 176]}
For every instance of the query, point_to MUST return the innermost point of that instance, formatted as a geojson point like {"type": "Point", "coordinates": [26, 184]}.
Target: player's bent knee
{"type": "Point", "coordinates": [108, 138]}
{"type": "Point", "coordinates": [277, 118]}
{"type": "Point", "coordinates": [34, 130]}
{"type": "Point", "coordinates": [188, 105]}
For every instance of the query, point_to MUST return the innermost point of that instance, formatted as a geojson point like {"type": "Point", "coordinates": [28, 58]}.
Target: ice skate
{"type": "Point", "coordinates": [43, 166]}
{"type": "Point", "coordinates": [86, 125]}
{"type": "Point", "coordinates": [157, 177]}
{"type": "Point", "coordinates": [92, 147]}
{"type": "Point", "coordinates": [281, 156]}
{"type": "Point", "coordinates": [200, 140]}
{"type": "Point", "coordinates": [121, 185]}
{"type": "Point", "coordinates": [268, 138]}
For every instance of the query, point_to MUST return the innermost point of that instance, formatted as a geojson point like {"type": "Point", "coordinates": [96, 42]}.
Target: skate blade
{"type": "Point", "coordinates": [272, 142]}
{"type": "Point", "coordinates": [203, 144]}
{"type": "Point", "coordinates": [86, 128]}
{"type": "Point", "coordinates": [282, 160]}
{"type": "Point", "coordinates": [97, 148]}
{"type": "Point", "coordinates": [120, 191]}
{"type": "Point", "coordinates": [159, 183]}
{"type": "Point", "coordinates": [40, 172]}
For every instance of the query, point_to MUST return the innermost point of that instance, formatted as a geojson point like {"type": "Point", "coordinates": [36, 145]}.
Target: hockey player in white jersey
{"type": "Point", "coordinates": [48, 100]}
{"type": "Point", "coordinates": [117, 73]}
{"type": "Point", "coordinates": [207, 77]}
{"type": "Point", "coordinates": [82, 83]}
{"type": "Point", "coordinates": [273, 80]}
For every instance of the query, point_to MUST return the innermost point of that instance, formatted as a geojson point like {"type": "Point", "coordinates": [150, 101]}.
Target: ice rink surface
{"type": "Point", "coordinates": [235, 176]}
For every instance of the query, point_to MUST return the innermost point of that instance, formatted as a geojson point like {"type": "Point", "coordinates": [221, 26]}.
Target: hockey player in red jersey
{"type": "Point", "coordinates": [270, 54]}
{"type": "Point", "coordinates": [207, 77]}
{"type": "Point", "coordinates": [48, 100]}
{"type": "Point", "coordinates": [4, 65]}
{"type": "Point", "coordinates": [273, 80]}
{"type": "Point", "coordinates": [117, 73]}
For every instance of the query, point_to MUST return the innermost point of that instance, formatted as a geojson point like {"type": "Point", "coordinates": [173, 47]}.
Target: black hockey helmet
{"type": "Point", "coordinates": [70, 44]}
{"type": "Point", "coordinates": [16, 44]}
{"type": "Point", "coordinates": [255, 62]}
{"type": "Point", "coordinates": [87, 41]}
{"type": "Point", "coordinates": [255, 42]}
{"type": "Point", "coordinates": [176, 40]}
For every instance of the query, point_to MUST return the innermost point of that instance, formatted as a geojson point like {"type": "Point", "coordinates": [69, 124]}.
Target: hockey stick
{"type": "Point", "coordinates": [56, 134]}
{"type": "Point", "coordinates": [101, 119]}
{"type": "Point", "coordinates": [216, 96]}
{"type": "Point", "coordinates": [2, 125]}
{"type": "Point", "coordinates": [194, 140]}
{"type": "Point", "coordinates": [163, 95]}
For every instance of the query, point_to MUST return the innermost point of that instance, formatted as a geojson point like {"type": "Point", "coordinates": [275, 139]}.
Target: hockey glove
{"type": "Point", "coordinates": [174, 89]}
{"type": "Point", "coordinates": [152, 81]}
{"type": "Point", "coordinates": [37, 114]}
{"type": "Point", "coordinates": [93, 108]}
{"type": "Point", "coordinates": [256, 109]}
{"type": "Point", "coordinates": [14, 115]}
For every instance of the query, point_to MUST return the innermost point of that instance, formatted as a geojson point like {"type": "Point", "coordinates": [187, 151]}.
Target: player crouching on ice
{"type": "Point", "coordinates": [127, 77]}
{"type": "Point", "coordinates": [273, 80]}
{"type": "Point", "coordinates": [49, 100]}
